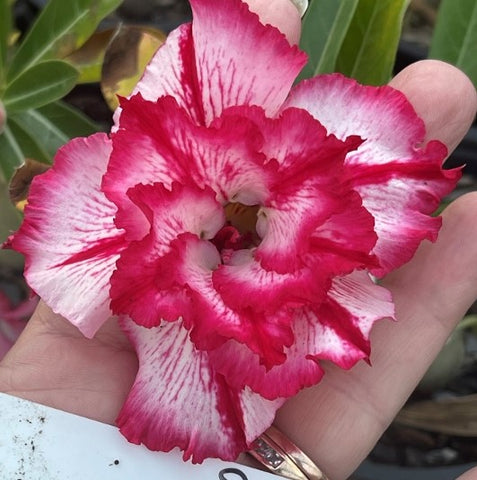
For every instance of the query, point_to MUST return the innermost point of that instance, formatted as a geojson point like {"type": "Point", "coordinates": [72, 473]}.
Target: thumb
{"type": "Point", "coordinates": [469, 475]}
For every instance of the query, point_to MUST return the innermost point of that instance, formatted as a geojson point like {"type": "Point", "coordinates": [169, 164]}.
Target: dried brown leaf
{"type": "Point", "coordinates": [126, 57]}
{"type": "Point", "coordinates": [450, 416]}
{"type": "Point", "coordinates": [20, 183]}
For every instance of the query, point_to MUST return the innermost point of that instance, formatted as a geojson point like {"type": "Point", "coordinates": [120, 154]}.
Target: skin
{"type": "Point", "coordinates": [338, 421]}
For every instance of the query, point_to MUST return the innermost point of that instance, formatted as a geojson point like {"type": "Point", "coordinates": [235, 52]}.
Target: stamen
{"type": "Point", "coordinates": [242, 217]}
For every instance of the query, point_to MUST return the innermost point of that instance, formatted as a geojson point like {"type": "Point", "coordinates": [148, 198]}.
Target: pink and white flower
{"type": "Point", "coordinates": [232, 222]}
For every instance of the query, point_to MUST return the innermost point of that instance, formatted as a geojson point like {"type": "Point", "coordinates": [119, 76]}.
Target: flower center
{"type": "Point", "coordinates": [243, 218]}
{"type": "Point", "coordinates": [239, 231]}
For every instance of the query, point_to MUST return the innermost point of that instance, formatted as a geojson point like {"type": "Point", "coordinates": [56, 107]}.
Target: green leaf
{"type": "Point", "coordinates": [52, 126]}
{"type": "Point", "coordinates": [68, 119]}
{"type": "Point", "coordinates": [11, 155]}
{"type": "Point", "coordinates": [29, 143]}
{"type": "Point", "coordinates": [41, 84]}
{"type": "Point", "coordinates": [324, 28]}
{"type": "Point", "coordinates": [455, 35]}
{"type": "Point", "coordinates": [10, 220]}
{"type": "Point", "coordinates": [5, 28]}
{"type": "Point", "coordinates": [62, 27]}
{"type": "Point", "coordinates": [369, 50]}
{"type": "Point", "coordinates": [48, 136]}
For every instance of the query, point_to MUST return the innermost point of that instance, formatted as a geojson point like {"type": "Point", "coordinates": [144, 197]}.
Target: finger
{"type": "Point", "coordinates": [443, 97]}
{"type": "Point", "coordinates": [338, 421]}
{"type": "Point", "coordinates": [470, 475]}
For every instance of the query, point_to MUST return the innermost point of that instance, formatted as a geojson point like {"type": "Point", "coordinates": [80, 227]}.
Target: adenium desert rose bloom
{"type": "Point", "coordinates": [232, 223]}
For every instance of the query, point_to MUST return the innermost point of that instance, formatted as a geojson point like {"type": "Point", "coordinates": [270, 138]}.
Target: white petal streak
{"type": "Point", "coordinates": [171, 72]}
{"type": "Point", "coordinates": [258, 413]}
{"type": "Point", "coordinates": [382, 116]}
{"type": "Point", "coordinates": [179, 401]}
{"type": "Point", "coordinates": [69, 237]}
{"type": "Point", "coordinates": [247, 63]}
{"type": "Point", "coordinates": [364, 300]}
{"type": "Point", "coordinates": [341, 326]}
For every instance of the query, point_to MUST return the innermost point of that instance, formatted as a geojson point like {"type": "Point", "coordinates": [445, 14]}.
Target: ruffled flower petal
{"type": "Point", "coordinates": [145, 285]}
{"type": "Point", "coordinates": [307, 230]}
{"type": "Point", "coordinates": [69, 238]}
{"type": "Point", "coordinates": [400, 182]}
{"type": "Point", "coordinates": [307, 188]}
{"type": "Point", "coordinates": [338, 331]}
{"type": "Point", "coordinates": [182, 209]}
{"type": "Point", "coordinates": [242, 367]}
{"type": "Point", "coordinates": [208, 76]}
{"type": "Point", "coordinates": [402, 198]}
{"type": "Point", "coordinates": [171, 72]}
{"type": "Point", "coordinates": [342, 323]}
{"type": "Point", "coordinates": [143, 152]}
{"type": "Point", "coordinates": [159, 143]}
{"type": "Point", "coordinates": [227, 72]}
{"type": "Point", "coordinates": [266, 291]}
{"type": "Point", "coordinates": [344, 242]}
{"type": "Point", "coordinates": [178, 400]}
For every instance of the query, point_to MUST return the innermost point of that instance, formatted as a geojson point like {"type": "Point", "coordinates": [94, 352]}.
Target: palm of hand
{"type": "Point", "coordinates": [52, 363]}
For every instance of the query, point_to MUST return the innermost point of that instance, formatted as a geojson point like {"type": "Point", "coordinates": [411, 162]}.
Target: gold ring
{"type": "Point", "coordinates": [280, 456]}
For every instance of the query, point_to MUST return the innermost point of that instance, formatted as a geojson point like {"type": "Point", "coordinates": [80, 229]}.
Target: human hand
{"type": "Point", "coordinates": [338, 421]}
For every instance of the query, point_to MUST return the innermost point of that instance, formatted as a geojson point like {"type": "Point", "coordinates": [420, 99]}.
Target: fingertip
{"type": "Point", "coordinates": [282, 14]}
{"type": "Point", "coordinates": [469, 475]}
{"type": "Point", "coordinates": [442, 95]}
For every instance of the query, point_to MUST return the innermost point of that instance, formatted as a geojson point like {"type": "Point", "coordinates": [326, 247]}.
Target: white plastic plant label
{"type": "Point", "coordinates": [41, 443]}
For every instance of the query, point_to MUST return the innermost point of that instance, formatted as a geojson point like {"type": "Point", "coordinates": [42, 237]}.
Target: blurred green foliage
{"type": "Point", "coordinates": [34, 77]}
{"type": "Point", "coordinates": [360, 38]}
{"type": "Point", "coordinates": [455, 36]}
